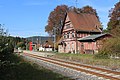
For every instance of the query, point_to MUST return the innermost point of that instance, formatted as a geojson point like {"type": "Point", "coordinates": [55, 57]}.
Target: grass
{"type": "Point", "coordinates": [17, 69]}
{"type": "Point", "coordinates": [89, 59]}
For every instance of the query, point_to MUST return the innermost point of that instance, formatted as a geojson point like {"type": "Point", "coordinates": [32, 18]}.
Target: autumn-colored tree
{"type": "Point", "coordinates": [86, 9]}
{"type": "Point", "coordinates": [89, 10]}
{"type": "Point", "coordinates": [55, 20]}
{"type": "Point", "coordinates": [114, 23]}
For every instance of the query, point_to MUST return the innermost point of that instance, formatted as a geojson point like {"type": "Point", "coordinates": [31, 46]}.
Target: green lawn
{"type": "Point", "coordinates": [89, 59]}
{"type": "Point", "coordinates": [17, 69]}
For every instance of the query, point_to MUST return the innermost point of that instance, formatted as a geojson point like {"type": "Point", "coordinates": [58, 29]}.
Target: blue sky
{"type": "Point", "coordinates": [26, 18]}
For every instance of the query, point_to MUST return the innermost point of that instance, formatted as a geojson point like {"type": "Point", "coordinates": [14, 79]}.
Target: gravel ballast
{"type": "Point", "coordinates": [73, 74]}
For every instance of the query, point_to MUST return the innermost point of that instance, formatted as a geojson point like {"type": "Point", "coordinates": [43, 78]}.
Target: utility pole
{"type": "Point", "coordinates": [76, 42]}
{"type": "Point", "coordinates": [54, 28]}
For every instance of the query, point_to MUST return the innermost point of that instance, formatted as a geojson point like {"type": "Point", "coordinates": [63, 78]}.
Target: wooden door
{"type": "Point", "coordinates": [82, 48]}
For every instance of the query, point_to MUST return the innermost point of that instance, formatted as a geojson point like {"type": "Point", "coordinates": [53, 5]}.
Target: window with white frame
{"type": "Point", "coordinates": [64, 35]}
{"type": "Point", "coordinates": [68, 35]}
{"type": "Point", "coordinates": [73, 34]}
{"type": "Point", "coordinates": [118, 18]}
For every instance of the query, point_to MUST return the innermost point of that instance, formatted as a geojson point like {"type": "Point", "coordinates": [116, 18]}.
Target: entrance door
{"type": "Point", "coordinates": [82, 48]}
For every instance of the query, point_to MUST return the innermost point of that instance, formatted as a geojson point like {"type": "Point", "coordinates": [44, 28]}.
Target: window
{"type": "Point", "coordinates": [78, 35]}
{"type": "Point", "coordinates": [64, 36]}
{"type": "Point", "coordinates": [73, 35]}
{"type": "Point", "coordinates": [68, 34]}
{"type": "Point", "coordinates": [82, 45]}
{"type": "Point", "coordinates": [118, 18]}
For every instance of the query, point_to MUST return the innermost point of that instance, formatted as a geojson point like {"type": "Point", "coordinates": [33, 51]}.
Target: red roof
{"type": "Point", "coordinates": [48, 45]}
{"type": "Point", "coordinates": [84, 22]}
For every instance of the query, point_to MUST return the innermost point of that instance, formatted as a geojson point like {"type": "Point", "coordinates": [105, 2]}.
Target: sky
{"type": "Point", "coordinates": [25, 18]}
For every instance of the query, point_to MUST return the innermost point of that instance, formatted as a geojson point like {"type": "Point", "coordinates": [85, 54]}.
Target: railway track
{"type": "Point", "coordinates": [107, 74]}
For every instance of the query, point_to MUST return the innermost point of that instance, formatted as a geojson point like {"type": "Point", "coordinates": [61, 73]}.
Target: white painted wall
{"type": "Point", "coordinates": [45, 49]}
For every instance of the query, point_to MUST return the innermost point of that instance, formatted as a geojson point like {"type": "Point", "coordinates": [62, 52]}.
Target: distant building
{"type": "Point", "coordinates": [81, 33]}
{"type": "Point", "coordinates": [41, 43]}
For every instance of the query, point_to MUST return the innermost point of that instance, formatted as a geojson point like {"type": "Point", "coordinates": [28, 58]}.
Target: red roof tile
{"type": "Point", "coordinates": [48, 45]}
{"type": "Point", "coordinates": [84, 22]}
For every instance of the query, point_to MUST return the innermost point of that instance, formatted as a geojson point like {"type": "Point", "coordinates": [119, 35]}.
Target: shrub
{"type": "Point", "coordinates": [21, 44]}
{"type": "Point", "coordinates": [111, 48]}
{"type": "Point", "coordinates": [102, 55]}
{"type": "Point", "coordinates": [6, 47]}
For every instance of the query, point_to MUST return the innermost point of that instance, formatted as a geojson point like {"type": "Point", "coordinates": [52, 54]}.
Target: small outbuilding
{"type": "Point", "coordinates": [92, 43]}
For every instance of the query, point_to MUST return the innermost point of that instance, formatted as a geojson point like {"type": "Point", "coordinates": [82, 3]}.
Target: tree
{"type": "Point", "coordinates": [111, 48]}
{"type": "Point", "coordinates": [55, 20]}
{"type": "Point", "coordinates": [89, 10]}
{"type": "Point", "coordinates": [6, 46]}
{"type": "Point", "coordinates": [114, 23]}
{"type": "Point", "coordinates": [86, 9]}
{"type": "Point", "coordinates": [8, 43]}
{"type": "Point", "coordinates": [21, 45]}
{"type": "Point", "coordinates": [3, 32]}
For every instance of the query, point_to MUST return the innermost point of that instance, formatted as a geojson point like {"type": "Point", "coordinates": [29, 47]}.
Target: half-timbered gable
{"type": "Point", "coordinates": [68, 37]}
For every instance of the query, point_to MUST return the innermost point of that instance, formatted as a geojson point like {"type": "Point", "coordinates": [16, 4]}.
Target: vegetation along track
{"type": "Point", "coordinates": [108, 74]}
